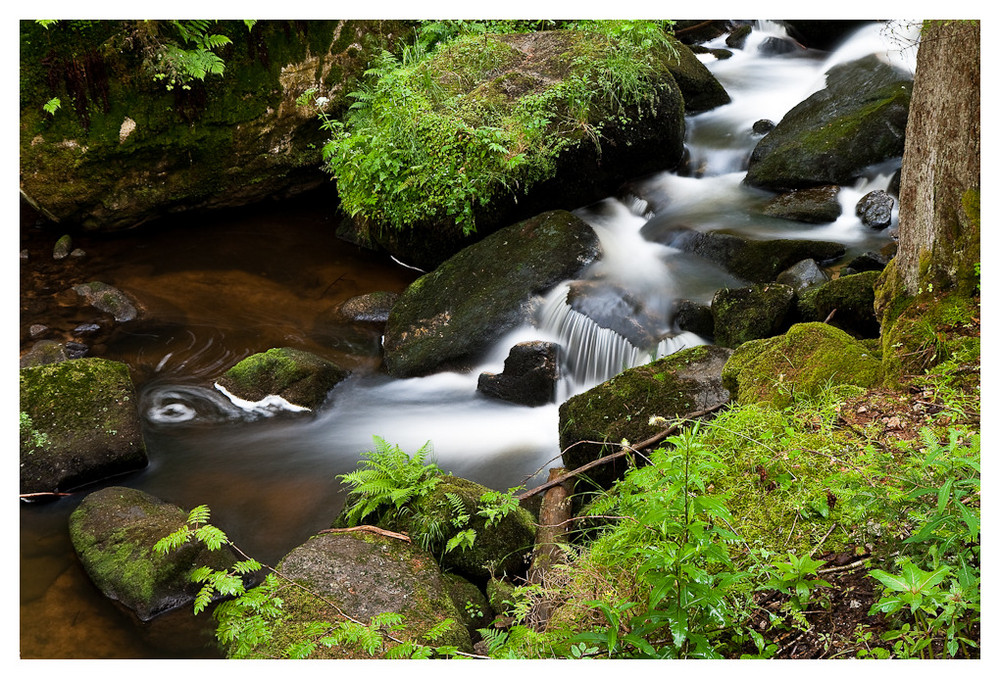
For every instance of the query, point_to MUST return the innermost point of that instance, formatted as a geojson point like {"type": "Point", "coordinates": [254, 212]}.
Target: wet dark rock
{"type": "Point", "coordinates": [851, 300]}
{"type": "Point", "coordinates": [299, 377]}
{"type": "Point", "coordinates": [875, 209]}
{"type": "Point", "coordinates": [113, 532]}
{"type": "Point", "coordinates": [76, 349]}
{"type": "Point", "coordinates": [738, 36]}
{"type": "Point", "coordinates": [85, 412]}
{"type": "Point", "coordinates": [363, 575]}
{"type": "Point", "coordinates": [817, 205]}
{"type": "Point", "coordinates": [822, 34]}
{"type": "Point", "coordinates": [763, 126]}
{"type": "Point", "coordinates": [85, 329]}
{"type": "Point", "coordinates": [857, 120]}
{"type": "Point", "coordinates": [750, 313]}
{"type": "Point", "coordinates": [44, 352]}
{"type": "Point", "coordinates": [682, 383]}
{"type": "Point", "coordinates": [693, 317]}
{"type": "Point", "coordinates": [694, 31]}
{"type": "Point", "coordinates": [774, 46]}
{"type": "Point", "coordinates": [869, 261]}
{"type": "Point", "coordinates": [108, 299]}
{"type": "Point", "coordinates": [803, 275]}
{"type": "Point", "coordinates": [446, 319]}
{"type": "Point", "coordinates": [701, 90]}
{"type": "Point", "coordinates": [62, 247]}
{"type": "Point", "coordinates": [529, 376]}
{"type": "Point", "coordinates": [373, 307]}
{"type": "Point", "coordinates": [893, 189]}
{"type": "Point", "coordinates": [751, 260]}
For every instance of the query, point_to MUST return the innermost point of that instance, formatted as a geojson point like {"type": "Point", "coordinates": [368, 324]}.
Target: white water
{"type": "Point", "coordinates": [500, 443]}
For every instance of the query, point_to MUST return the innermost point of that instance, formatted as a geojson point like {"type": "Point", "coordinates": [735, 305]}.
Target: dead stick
{"type": "Point", "coordinates": [652, 441]}
{"type": "Point", "coordinates": [369, 529]}
{"type": "Point", "coordinates": [52, 494]}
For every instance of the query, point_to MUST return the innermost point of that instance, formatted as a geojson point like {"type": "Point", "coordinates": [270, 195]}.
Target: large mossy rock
{"type": "Point", "coordinates": [113, 532]}
{"type": "Point", "coordinates": [805, 360]}
{"type": "Point", "coordinates": [123, 149]}
{"type": "Point", "coordinates": [446, 319]}
{"type": "Point", "coordinates": [299, 377]}
{"type": "Point", "coordinates": [744, 314]}
{"type": "Point", "coordinates": [851, 300]}
{"type": "Point", "coordinates": [755, 261]}
{"type": "Point", "coordinates": [858, 120]}
{"type": "Point", "coordinates": [682, 383]}
{"type": "Point", "coordinates": [477, 83]}
{"type": "Point", "coordinates": [84, 421]}
{"type": "Point", "coordinates": [362, 574]}
{"type": "Point", "coordinates": [501, 549]}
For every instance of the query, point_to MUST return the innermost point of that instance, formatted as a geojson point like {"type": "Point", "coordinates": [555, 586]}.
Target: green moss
{"type": "Point", "coordinates": [298, 376]}
{"type": "Point", "coordinates": [808, 358]}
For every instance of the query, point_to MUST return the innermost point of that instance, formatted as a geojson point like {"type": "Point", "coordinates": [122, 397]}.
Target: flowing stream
{"type": "Point", "coordinates": [231, 286]}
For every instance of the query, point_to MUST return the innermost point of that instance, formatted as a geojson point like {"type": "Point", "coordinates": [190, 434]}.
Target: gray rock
{"type": "Point", "coordinates": [875, 209]}
{"type": "Point", "coordinates": [802, 276]}
{"type": "Point", "coordinates": [529, 375]}
{"type": "Point", "coordinates": [108, 299]}
{"type": "Point", "coordinates": [818, 205]}
{"type": "Point", "coordinates": [44, 352]}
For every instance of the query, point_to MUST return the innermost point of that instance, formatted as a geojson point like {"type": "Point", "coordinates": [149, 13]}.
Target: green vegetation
{"type": "Point", "coordinates": [435, 133]}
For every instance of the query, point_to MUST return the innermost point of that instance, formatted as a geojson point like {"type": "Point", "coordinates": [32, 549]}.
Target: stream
{"type": "Point", "coordinates": [218, 288]}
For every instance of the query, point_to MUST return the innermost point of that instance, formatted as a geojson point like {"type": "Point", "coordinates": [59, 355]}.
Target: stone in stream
{"type": "Point", "coordinates": [817, 205]}
{"type": "Point", "coordinates": [529, 376]}
{"type": "Point", "coordinates": [299, 377]}
{"type": "Point", "coordinates": [108, 299]}
{"type": "Point", "coordinates": [875, 209]}
{"type": "Point", "coordinates": [802, 276]}
{"type": "Point", "coordinates": [113, 532]}
{"type": "Point", "coordinates": [851, 300]}
{"type": "Point", "coordinates": [744, 314]}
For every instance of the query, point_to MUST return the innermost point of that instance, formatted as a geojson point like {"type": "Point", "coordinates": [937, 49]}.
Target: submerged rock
{"type": "Point", "coordinates": [85, 412]}
{"type": "Point", "coordinates": [808, 358]}
{"type": "Point", "coordinates": [682, 383]}
{"type": "Point", "coordinates": [529, 376]}
{"type": "Point", "coordinates": [373, 307]}
{"type": "Point", "coordinates": [446, 319]}
{"type": "Point", "coordinates": [113, 532]}
{"type": "Point", "coordinates": [301, 378]}
{"type": "Point", "coordinates": [362, 575]}
{"type": "Point", "coordinates": [750, 313]}
{"type": "Point", "coordinates": [858, 120]}
{"type": "Point", "coordinates": [108, 299]}
{"type": "Point", "coordinates": [44, 352]}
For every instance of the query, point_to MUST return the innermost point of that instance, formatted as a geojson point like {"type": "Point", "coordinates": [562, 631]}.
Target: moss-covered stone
{"type": "Point", "coordinates": [851, 299]}
{"type": "Point", "coordinates": [472, 604]}
{"type": "Point", "coordinates": [446, 319]}
{"type": "Point", "coordinates": [817, 205]}
{"type": "Point", "coordinates": [87, 411]}
{"type": "Point", "coordinates": [701, 90]}
{"type": "Point", "coordinates": [362, 575]}
{"type": "Point", "coordinates": [744, 314]}
{"type": "Point", "coordinates": [113, 532]}
{"type": "Point", "coordinates": [301, 378]}
{"type": "Point", "coordinates": [858, 120]}
{"type": "Point", "coordinates": [621, 408]}
{"type": "Point", "coordinates": [500, 549]}
{"type": "Point", "coordinates": [804, 360]}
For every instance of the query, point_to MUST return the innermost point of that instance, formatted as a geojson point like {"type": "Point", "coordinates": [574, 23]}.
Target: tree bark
{"type": "Point", "coordinates": [939, 185]}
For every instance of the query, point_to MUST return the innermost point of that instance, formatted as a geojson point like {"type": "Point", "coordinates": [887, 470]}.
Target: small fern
{"type": "Point", "coordinates": [387, 480]}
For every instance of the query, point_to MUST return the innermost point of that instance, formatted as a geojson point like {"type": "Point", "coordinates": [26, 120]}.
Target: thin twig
{"type": "Point", "coordinates": [820, 543]}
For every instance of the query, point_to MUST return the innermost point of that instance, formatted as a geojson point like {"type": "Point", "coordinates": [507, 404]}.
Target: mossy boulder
{"type": "Point", "coordinates": [857, 120]}
{"type": "Point", "coordinates": [803, 361]}
{"type": "Point", "coordinates": [363, 575]}
{"type": "Point", "coordinates": [299, 377]}
{"type": "Point", "coordinates": [85, 411]}
{"type": "Point", "coordinates": [621, 408]}
{"type": "Point", "coordinates": [701, 90]}
{"type": "Point", "coordinates": [529, 377]}
{"type": "Point", "coordinates": [851, 300]}
{"type": "Point", "coordinates": [754, 261]}
{"type": "Point", "coordinates": [744, 314]}
{"type": "Point", "coordinates": [499, 549]}
{"type": "Point", "coordinates": [446, 319]}
{"type": "Point", "coordinates": [113, 532]}
{"type": "Point", "coordinates": [473, 607]}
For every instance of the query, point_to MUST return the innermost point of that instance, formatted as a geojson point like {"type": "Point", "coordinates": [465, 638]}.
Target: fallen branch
{"type": "Point", "coordinates": [369, 529]}
{"type": "Point", "coordinates": [652, 441]}
{"type": "Point", "coordinates": [27, 496]}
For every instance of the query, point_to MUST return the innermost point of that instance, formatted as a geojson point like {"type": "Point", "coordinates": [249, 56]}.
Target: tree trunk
{"type": "Point", "coordinates": [939, 188]}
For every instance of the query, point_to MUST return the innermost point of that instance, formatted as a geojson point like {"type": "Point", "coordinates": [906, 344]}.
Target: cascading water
{"type": "Point", "coordinates": [271, 481]}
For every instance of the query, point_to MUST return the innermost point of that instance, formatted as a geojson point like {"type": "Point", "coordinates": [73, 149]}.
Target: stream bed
{"type": "Point", "coordinates": [217, 288]}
